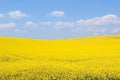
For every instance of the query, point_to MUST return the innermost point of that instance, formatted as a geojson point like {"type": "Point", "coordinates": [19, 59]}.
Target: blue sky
{"type": "Point", "coordinates": [47, 19]}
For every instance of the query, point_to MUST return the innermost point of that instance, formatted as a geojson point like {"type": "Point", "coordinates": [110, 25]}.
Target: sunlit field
{"type": "Point", "coordinates": [90, 58]}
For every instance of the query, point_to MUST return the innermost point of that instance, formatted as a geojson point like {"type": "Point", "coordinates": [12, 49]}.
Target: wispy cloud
{"type": "Point", "coordinates": [57, 13]}
{"type": "Point", "coordinates": [95, 25]}
{"type": "Point", "coordinates": [116, 30]}
{"type": "Point", "coordinates": [30, 24]}
{"type": "Point", "coordinates": [19, 31]}
{"type": "Point", "coordinates": [7, 25]}
{"type": "Point", "coordinates": [17, 14]}
{"type": "Point", "coordinates": [99, 21]}
{"type": "Point", "coordinates": [2, 15]}
{"type": "Point", "coordinates": [61, 24]}
{"type": "Point", "coordinates": [98, 25]}
{"type": "Point", "coordinates": [46, 23]}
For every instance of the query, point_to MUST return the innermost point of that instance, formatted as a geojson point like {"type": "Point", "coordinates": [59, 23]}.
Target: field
{"type": "Point", "coordinates": [90, 58]}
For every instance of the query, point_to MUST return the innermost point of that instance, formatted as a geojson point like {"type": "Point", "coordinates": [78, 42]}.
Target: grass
{"type": "Point", "coordinates": [91, 58]}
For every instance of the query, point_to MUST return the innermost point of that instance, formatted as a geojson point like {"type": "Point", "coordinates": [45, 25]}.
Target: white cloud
{"type": "Point", "coordinates": [57, 13]}
{"type": "Point", "coordinates": [2, 15]}
{"type": "Point", "coordinates": [115, 30]}
{"type": "Point", "coordinates": [17, 14]}
{"type": "Point", "coordinates": [8, 25]}
{"type": "Point", "coordinates": [61, 24]}
{"type": "Point", "coordinates": [100, 30]}
{"type": "Point", "coordinates": [19, 31]}
{"type": "Point", "coordinates": [46, 23]}
{"type": "Point", "coordinates": [95, 25]}
{"type": "Point", "coordinates": [98, 25]}
{"type": "Point", "coordinates": [99, 21]}
{"type": "Point", "coordinates": [30, 24]}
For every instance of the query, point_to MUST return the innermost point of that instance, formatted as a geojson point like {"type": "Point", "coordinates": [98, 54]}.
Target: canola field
{"type": "Point", "coordinates": [90, 58]}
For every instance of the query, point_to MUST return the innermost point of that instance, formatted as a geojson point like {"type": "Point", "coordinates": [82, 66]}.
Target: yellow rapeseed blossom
{"type": "Point", "coordinates": [91, 58]}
